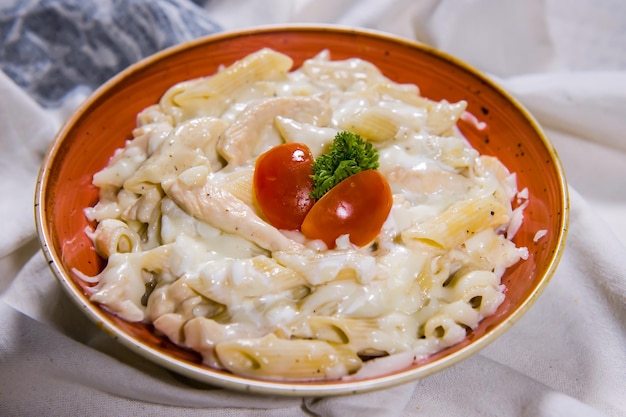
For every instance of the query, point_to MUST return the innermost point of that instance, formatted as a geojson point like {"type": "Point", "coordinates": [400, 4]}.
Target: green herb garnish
{"type": "Point", "coordinates": [349, 154]}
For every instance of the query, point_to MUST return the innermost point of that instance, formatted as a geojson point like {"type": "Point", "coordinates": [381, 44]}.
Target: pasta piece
{"type": "Point", "coordinates": [405, 93]}
{"type": "Point", "coordinates": [462, 313]}
{"type": "Point", "coordinates": [264, 64]}
{"type": "Point", "coordinates": [143, 209]}
{"type": "Point", "coordinates": [203, 334]}
{"type": "Point", "coordinates": [351, 299]}
{"type": "Point", "coordinates": [113, 202]}
{"type": "Point", "coordinates": [432, 180]}
{"type": "Point", "coordinates": [210, 95]}
{"type": "Point", "coordinates": [191, 144]}
{"type": "Point", "coordinates": [124, 297]}
{"type": "Point", "coordinates": [122, 283]}
{"type": "Point", "coordinates": [344, 75]}
{"type": "Point", "coordinates": [368, 337]}
{"type": "Point", "coordinates": [384, 365]}
{"type": "Point", "coordinates": [454, 152]}
{"type": "Point", "coordinates": [376, 124]}
{"type": "Point", "coordinates": [171, 325]}
{"type": "Point", "coordinates": [274, 276]}
{"type": "Point", "coordinates": [151, 234]}
{"type": "Point", "coordinates": [490, 165]}
{"type": "Point", "coordinates": [485, 300]}
{"type": "Point", "coordinates": [444, 329]}
{"type": "Point", "coordinates": [157, 132]}
{"type": "Point", "coordinates": [114, 236]}
{"type": "Point", "coordinates": [231, 281]}
{"type": "Point", "coordinates": [243, 138]}
{"type": "Point", "coordinates": [326, 299]}
{"type": "Point", "coordinates": [207, 202]}
{"type": "Point", "coordinates": [124, 163]}
{"type": "Point", "coordinates": [476, 288]}
{"type": "Point", "coordinates": [318, 267]}
{"type": "Point", "coordinates": [166, 298]}
{"type": "Point", "coordinates": [179, 112]}
{"type": "Point", "coordinates": [240, 184]}
{"type": "Point", "coordinates": [442, 116]}
{"type": "Point", "coordinates": [492, 251]}
{"type": "Point", "coordinates": [213, 282]}
{"type": "Point", "coordinates": [178, 226]}
{"type": "Point", "coordinates": [181, 298]}
{"type": "Point", "coordinates": [458, 223]}
{"type": "Point", "coordinates": [467, 277]}
{"type": "Point", "coordinates": [287, 359]}
{"type": "Point", "coordinates": [152, 115]}
{"type": "Point", "coordinates": [317, 138]}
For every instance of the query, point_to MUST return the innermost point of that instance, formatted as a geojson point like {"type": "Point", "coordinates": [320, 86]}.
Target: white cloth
{"type": "Point", "coordinates": [564, 59]}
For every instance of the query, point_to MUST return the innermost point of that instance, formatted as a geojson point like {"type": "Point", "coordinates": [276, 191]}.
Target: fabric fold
{"type": "Point", "coordinates": [32, 348]}
{"type": "Point", "coordinates": [587, 104]}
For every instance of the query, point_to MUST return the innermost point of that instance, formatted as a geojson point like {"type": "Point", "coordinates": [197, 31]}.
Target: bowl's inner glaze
{"type": "Point", "coordinates": [106, 121]}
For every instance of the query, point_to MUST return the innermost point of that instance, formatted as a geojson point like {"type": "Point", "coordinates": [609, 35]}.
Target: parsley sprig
{"type": "Point", "coordinates": [349, 154]}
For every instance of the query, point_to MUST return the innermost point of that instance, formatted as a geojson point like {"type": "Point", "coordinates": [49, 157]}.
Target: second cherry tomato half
{"type": "Point", "coordinates": [358, 206]}
{"type": "Point", "coordinates": [282, 184]}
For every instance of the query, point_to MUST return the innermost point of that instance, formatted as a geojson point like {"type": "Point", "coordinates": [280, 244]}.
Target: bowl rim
{"type": "Point", "coordinates": [285, 388]}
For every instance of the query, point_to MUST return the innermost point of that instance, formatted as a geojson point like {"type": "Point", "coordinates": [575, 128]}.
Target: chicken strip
{"type": "Point", "coordinates": [207, 202]}
{"type": "Point", "coordinates": [239, 141]}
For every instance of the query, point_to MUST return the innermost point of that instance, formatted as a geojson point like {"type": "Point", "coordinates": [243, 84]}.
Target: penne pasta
{"type": "Point", "coordinates": [458, 223]}
{"type": "Point", "coordinates": [287, 359]}
{"type": "Point", "coordinates": [210, 96]}
{"type": "Point", "coordinates": [376, 124]}
{"type": "Point", "coordinates": [114, 236]}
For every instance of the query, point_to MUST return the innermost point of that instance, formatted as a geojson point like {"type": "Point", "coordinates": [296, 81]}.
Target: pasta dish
{"type": "Point", "coordinates": [190, 250]}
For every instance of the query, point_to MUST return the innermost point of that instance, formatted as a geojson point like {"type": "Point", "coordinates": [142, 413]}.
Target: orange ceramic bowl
{"type": "Point", "coordinates": [105, 121]}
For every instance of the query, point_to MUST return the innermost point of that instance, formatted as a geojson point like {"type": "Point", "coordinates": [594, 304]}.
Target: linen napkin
{"type": "Point", "coordinates": [563, 59]}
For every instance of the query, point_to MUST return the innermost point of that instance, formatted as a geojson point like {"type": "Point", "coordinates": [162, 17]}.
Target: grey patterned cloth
{"type": "Point", "coordinates": [49, 47]}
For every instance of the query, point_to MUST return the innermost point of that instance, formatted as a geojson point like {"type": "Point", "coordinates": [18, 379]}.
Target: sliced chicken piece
{"type": "Point", "coordinates": [243, 137]}
{"type": "Point", "coordinates": [207, 202]}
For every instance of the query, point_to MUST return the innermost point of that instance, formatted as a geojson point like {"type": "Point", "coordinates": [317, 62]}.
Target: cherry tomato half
{"type": "Point", "coordinates": [282, 184]}
{"type": "Point", "coordinates": [358, 205]}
